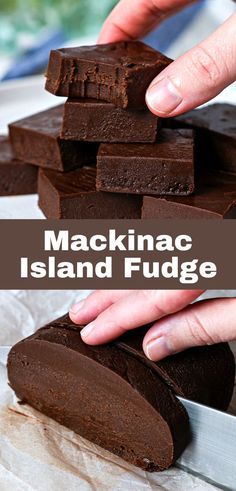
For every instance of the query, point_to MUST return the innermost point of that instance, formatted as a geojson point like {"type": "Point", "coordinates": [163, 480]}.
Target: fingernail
{"type": "Point", "coordinates": [77, 307]}
{"type": "Point", "coordinates": [163, 96]}
{"type": "Point", "coordinates": [87, 330]}
{"type": "Point", "coordinates": [157, 349]}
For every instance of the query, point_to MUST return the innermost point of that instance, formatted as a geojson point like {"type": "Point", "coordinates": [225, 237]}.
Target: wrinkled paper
{"type": "Point", "coordinates": [38, 454]}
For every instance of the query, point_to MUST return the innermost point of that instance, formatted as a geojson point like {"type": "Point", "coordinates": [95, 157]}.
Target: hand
{"type": "Point", "coordinates": [194, 78]}
{"type": "Point", "coordinates": [177, 325]}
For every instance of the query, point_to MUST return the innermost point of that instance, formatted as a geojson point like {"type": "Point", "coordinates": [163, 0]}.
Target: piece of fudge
{"type": "Point", "coordinates": [16, 177]}
{"type": "Point", "coordinates": [74, 195]}
{"type": "Point", "coordinates": [37, 140]}
{"type": "Point", "coordinates": [119, 73]}
{"type": "Point", "coordinates": [165, 167]}
{"type": "Point", "coordinates": [215, 198]}
{"type": "Point", "coordinates": [216, 133]}
{"type": "Point", "coordinates": [99, 121]}
{"type": "Point", "coordinates": [113, 396]}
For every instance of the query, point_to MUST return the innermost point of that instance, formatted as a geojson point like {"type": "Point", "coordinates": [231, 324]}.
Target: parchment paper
{"type": "Point", "coordinates": [38, 454]}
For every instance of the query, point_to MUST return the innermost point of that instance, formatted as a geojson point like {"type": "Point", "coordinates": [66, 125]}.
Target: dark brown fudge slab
{"type": "Point", "coordinates": [114, 387]}
{"type": "Point", "coordinates": [99, 121]}
{"type": "Point", "coordinates": [118, 72]}
{"type": "Point", "coordinates": [165, 167]}
{"type": "Point", "coordinates": [74, 195]}
{"type": "Point", "coordinates": [16, 177]}
{"type": "Point", "coordinates": [215, 198]}
{"type": "Point", "coordinates": [36, 139]}
{"type": "Point", "coordinates": [104, 394]}
{"type": "Point", "coordinates": [216, 126]}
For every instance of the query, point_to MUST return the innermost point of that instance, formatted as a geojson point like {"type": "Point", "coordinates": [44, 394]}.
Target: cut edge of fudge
{"type": "Point", "coordinates": [116, 72]}
{"type": "Point", "coordinates": [163, 168]}
{"type": "Point", "coordinates": [99, 121]}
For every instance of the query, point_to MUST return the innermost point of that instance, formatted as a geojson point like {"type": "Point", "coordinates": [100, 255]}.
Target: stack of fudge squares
{"type": "Point", "coordinates": [103, 154]}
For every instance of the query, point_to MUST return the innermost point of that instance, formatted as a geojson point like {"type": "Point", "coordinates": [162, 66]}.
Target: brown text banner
{"type": "Point", "coordinates": [122, 254]}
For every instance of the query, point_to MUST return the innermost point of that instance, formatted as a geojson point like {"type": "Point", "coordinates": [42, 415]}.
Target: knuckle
{"type": "Point", "coordinates": [153, 298]}
{"type": "Point", "coordinates": [204, 65]}
{"type": "Point", "coordinates": [149, 7]}
{"type": "Point", "coordinates": [197, 330]}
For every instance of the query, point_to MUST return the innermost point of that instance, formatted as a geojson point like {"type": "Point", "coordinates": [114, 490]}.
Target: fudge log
{"type": "Point", "coordinates": [216, 133]}
{"type": "Point", "coordinates": [16, 177]}
{"type": "Point", "coordinates": [112, 395]}
{"type": "Point", "coordinates": [36, 139]}
{"type": "Point", "coordinates": [74, 195]}
{"type": "Point", "coordinates": [215, 198]}
{"type": "Point", "coordinates": [193, 373]}
{"type": "Point", "coordinates": [165, 167]}
{"type": "Point", "coordinates": [98, 121]}
{"type": "Point", "coordinates": [117, 72]}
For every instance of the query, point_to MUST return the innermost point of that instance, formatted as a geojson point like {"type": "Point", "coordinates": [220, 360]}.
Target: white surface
{"type": "Point", "coordinates": [19, 207]}
{"type": "Point", "coordinates": [20, 98]}
{"type": "Point", "coordinates": [36, 453]}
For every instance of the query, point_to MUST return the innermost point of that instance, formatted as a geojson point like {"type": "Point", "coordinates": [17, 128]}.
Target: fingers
{"type": "Point", "coordinates": [205, 322]}
{"type": "Point", "coordinates": [131, 19]}
{"type": "Point", "coordinates": [133, 310]}
{"type": "Point", "coordinates": [90, 307]}
{"type": "Point", "coordinates": [197, 76]}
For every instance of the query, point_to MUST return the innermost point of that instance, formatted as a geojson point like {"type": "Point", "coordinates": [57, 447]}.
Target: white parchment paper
{"type": "Point", "coordinates": [38, 454]}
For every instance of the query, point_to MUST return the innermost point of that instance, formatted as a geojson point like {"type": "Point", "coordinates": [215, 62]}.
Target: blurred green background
{"type": "Point", "coordinates": [22, 20]}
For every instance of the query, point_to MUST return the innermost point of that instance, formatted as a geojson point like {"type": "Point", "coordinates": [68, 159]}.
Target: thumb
{"type": "Point", "coordinates": [197, 76]}
{"type": "Point", "coordinates": [202, 323]}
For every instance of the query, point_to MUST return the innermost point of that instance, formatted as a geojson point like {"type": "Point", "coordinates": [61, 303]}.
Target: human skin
{"type": "Point", "coordinates": [194, 78]}
{"type": "Point", "coordinates": [177, 324]}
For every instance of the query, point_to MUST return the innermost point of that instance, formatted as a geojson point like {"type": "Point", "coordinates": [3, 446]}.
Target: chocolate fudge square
{"type": "Point", "coordinates": [16, 177]}
{"type": "Point", "coordinates": [37, 140]}
{"type": "Point", "coordinates": [99, 121]}
{"type": "Point", "coordinates": [74, 195]}
{"type": "Point", "coordinates": [215, 198]}
{"type": "Point", "coordinates": [216, 132]}
{"type": "Point", "coordinates": [165, 167]}
{"type": "Point", "coordinates": [119, 73]}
